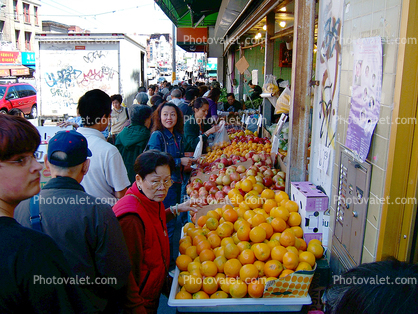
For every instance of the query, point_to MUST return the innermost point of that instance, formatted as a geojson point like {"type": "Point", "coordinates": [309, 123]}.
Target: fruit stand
{"type": "Point", "coordinates": [246, 246]}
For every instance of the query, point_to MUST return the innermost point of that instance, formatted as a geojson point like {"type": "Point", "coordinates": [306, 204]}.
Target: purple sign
{"type": "Point", "coordinates": [366, 93]}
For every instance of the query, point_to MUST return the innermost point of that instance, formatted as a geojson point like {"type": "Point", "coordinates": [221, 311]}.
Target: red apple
{"type": "Point", "coordinates": [197, 180]}
{"type": "Point", "coordinates": [263, 168]}
{"type": "Point", "coordinates": [268, 173]}
{"type": "Point", "coordinates": [222, 171]}
{"type": "Point", "coordinates": [241, 169]}
{"type": "Point", "coordinates": [226, 180]}
{"type": "Point", "coordinates": [220, 195]}
{"type": "Point", "coordinates": [221, 165]}
{"type": "Point", "coordinates": [219, 179]}
{"type": "Point", "coordinates": [259, 178]}
{"type": "Point", "coordinates": [213, 177]}
{"type": "Point", "coordinates": [203, 193]}
{"type": "Point", "coordinates": [209, 185]}
{"type": "Point", "coordinates": [256, 158]}
{"type": "Point", "coordinates": [194, 194]}
{"type": "Point", "coordinates": [268, 182]}
{"type": "Point", "coordinates": [213, 190]}
{"type": "Point", "coordinates": [197, 185]}
{"type": "Point", "coordinates": [251, 172]}
{"type": "Point", "coordinates": [243, 159]}
{"type": "Point", "coordinates": [232, 185]}
{"type": "Point", "coordinates": [230, 170]}
{"type": "Point", "coordinates": [235, 176]}
{"type": "Point", "coordinates": [227, 188]}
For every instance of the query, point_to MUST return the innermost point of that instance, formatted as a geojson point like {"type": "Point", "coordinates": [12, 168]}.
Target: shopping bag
{"type": "Point", "coordinates": [270, 85]}
{"type": "Point", "coordinates": [198, 150]}
{"type": "Point", "coordinates": [221, 137]}
{"type": "Point", "coordinates": [284, 101]}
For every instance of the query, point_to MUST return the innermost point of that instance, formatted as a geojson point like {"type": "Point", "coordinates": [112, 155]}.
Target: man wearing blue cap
{"type": "Point", "coordinates": [84, 227]}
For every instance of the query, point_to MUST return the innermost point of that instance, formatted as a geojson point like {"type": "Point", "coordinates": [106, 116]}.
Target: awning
{"type": "Point", "coordinates": [13, 70]}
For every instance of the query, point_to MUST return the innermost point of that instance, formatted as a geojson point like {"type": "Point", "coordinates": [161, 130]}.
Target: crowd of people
{"type": "Point", "coordinates": [108, 213]}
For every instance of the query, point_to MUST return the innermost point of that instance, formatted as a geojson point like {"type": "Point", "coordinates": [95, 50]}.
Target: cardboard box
{"type": "Point", "coordinates": [312, 205]}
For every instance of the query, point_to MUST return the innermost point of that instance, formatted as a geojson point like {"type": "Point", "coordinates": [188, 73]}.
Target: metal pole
{"type": "Point", "coordinates": [173, 74]}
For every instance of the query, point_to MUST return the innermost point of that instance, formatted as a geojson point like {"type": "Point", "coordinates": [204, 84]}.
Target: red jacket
{"type": "Point", "coordinates": [144, 226]}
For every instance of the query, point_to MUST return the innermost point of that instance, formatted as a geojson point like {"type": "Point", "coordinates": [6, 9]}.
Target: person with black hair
{"type": "Point", "coordinates": [16, 112]}
{"type": "Point", "coordinates": [120, 117]}
{"type": "Point", "coordinates": [232, 105]}
{"type": "Point", "coordinates": [143, 218]}
{"type": "Point", "coordinates": [383, 287]}
{"type": "Point", "coordinates": [156, 100]}
{"type": "Point", "coordinates": [255, 90]}
{"type": "Point", "coordinates": [213, 98]}
{"type": "Point", "coordinates": [107, 177]}
{"type": "Point", "coordinates": [133, 139]}
{"type": "Point", "coordinates": [185, 106]}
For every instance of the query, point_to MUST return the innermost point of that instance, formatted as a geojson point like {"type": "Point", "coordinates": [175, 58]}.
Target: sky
{"type": "Point", "coordinates": [126, 16]}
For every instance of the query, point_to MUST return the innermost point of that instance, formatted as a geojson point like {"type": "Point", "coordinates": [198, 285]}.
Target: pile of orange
{"type": "Point", "coordinates": [234, 250]}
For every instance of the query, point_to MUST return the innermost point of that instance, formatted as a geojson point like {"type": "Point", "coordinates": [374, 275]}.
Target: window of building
{"type": "Point", "coordinates": [35, 9]}
{"type": "Point", "coordinates": [15, 10]}
{"type": "Point", "coordinates": [17, 35]}
{"type": "Point", "coordinates": [27, 41]}
{"type": "Point", "coordinates": [26, 12]}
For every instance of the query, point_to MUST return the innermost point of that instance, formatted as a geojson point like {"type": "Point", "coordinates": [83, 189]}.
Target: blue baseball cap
{"type": "Point", "coordinates": [73, 144]}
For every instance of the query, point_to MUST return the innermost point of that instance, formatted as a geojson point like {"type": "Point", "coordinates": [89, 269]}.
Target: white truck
{"type": "Point", "coordinates": [68, 65]}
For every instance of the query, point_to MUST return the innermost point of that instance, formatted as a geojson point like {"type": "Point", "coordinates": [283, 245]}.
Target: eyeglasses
{"type": "Point", "coordinates": [156, 184]}
{"type": "Point", "coordinates": [23, 162]}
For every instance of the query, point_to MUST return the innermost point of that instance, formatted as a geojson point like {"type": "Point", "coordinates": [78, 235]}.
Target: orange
{"type": "Point", "coordinates": [226, 283]}
{"type": "Point", "coordinates": [293, 250]}
{"type": "Point", "coordinates": [262, 252]}
{"type": "Point", "coordinates": [269, 204]}
{"type": "Point", "coordinates": [231, 251]}
{"type": "Point", "coordinates": [198, 238]}
{"type": "Point", "coordinates": [290, 260]}
{"type": "Point", "coordinates": [202, 245]}
{"type": "Point", "coordinates": [294, 219]}
{"type": "Point", "coordinates": [248, 272]}
{"type": "Point", "coordinates": [303, 266]}
{"type": "Point", "coordinates": [277, 253]}
{"type": "Point", "coordinates": [257, 219]}
{"type": "Point", "coordinates": [225, 230]}
{"type": "Point", "coordinates": [243, 245]}
{"type": "Point", "coordinates": [237, 199]}
{"type": "Point", "coordinates": [285, 273]}
{"type": "Point", "coordinates": [273, 268]}
{"type": "Point", "coordinates": [233, 192]}
{"type": "Point", "coordinates": [260, 267]}
{"type": "Point", "coordinates": [297, 231]}
{"type": "Point", "coordinates": [298, 243]}
{"type": "Point", "coordinates": [194, 267]}
{"type": "Point", "coordinates": [246, 185]}
{"type": "Point", "coordinates": [268, 194]}
{"type": "Point", "coordinates": [226, 241]}
{"type": "Point", "coordinates": [182, 277]}
{"type": "Point", "coordinates": [226, 206]}
{"type": "Point", "coordinates": [183, 261]}
{"type": "Point", "coordinates": [214, 240]}
{"type": "Point", "coordinates": [183, 295]}
{"type": "Point", "coordinates": [257, 234]}
{"type": "Point", "coordinates": [252, 179]}
{"type": "Point", "coordinates": [273, 243]}
{"type": "Point", "coordinates": [316, 249]}
{"type": "Point", "coordinates": [210, 285]}
{"type": "Point", "coordinates": [193, 285]}
{"type": "Point", "coordinates": [186, 239]}
{"type": "Point", "coordinates": [206, 255]}
{"type": "Point", "coordinates": [212, 223]}
{"type": "Point", "coordinates": [280, 212]}
{"type": "Point", "coordinates": [219, 251]}
{"type": "Point", "coordinates": [191, 251]}
{"type": "Point", "coordinates": [258, 187]}
{"type": "Point", "coordinates": [315, 241]}
{"type": "Point", "coordinates": [241, 211]}
{"type": "Point", "coordinates": [276, 236]}
{"type": "Point", "coordinates": [230, 215]}
{"type": "Point", "coordinates": [187, 226]}
{"type": "Point", "coordinates": [219, 295]}
{"type": "Point", "coordinates": [244, 206]}
{"type": "Point", "coordinates": [278, 224]}
{"type": "Point", "coordinates": [243, 232]}
{"type": "Point", "coordinates": [202, 220]}
{"type": "Point", "coordinates": [220, 263]}
{"type": "Point", "coordinates": [267, 228]}
{"type": "Point", "coordinates": [291, 206]}
{"type": "Point", "coordinates": [280, 196]}
{"type": "Point", "coordinates": [183, 246]}
{"type": "Point", "coordinates": [213, 214]}
{"type": "Point", "coordinates": [232, 267]}
{"type": "Point", "coordinates": [246, 257]}
{"type": "Point", "coordinates": [238, 289]}
{"type": "Point", "coordinates": [208, 269]}
{"type": "Point", "coordinates": [287, 238]}
{"type": "Point", "coordinates": [200, 295]}
{"type": "Point", "coordinates": [235, 238]}
{"type": "Point", "coordinates": [256, 289]}
{"type": "Point", "coordinates": [220, 277]}
{"type": "Point", "coordinates": [254, 202]}
{"type": "Point", "coordinates": [303, 245]}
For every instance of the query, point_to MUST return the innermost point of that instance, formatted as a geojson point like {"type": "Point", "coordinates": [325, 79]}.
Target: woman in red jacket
{"type": "Point", "coordinates": [142, 216]}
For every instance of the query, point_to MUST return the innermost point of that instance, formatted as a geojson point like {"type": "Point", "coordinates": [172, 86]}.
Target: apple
{"type": "Point", "coordinates": [241, 169]}
{"type": "Point", "coordinates": [197, 180]}
{"type": "Point", "coordinates": [213, 190]}
{"type": "Point", "coordinates": [194, 194]}
{"type": "Point", "coordinates": [232, 185]}
{"type": "Point", "coordinates": [268, 182]}
{"type": "Point", "coordinates": [235, 176]}
{"type": "Point", "coordinates": [243, 159]}
{"type": "Point", "coordinates": [274, 171]}
{"type": "Point", "coordinates": [209, 185]}
{"type": "Point", "coordinates": [223, 156]}
{"type": "Point", "coordinates": [259, 178]}
{"type": "Point", "coordinates": [268, 161]}
{"type": "Point", "coordinates": [249, 154]}
{"type": "Point", "coordinates": [242, 192]}
{"type": "Point", "coordinates": [262, 157]}
{"type": "Point", "coordinates": [220, 195]}
{"type": "Point", "coordinates": [268, 173]}
{"type": "Point", "coordinates": [203, 193]}
{"type": "Point", "coordinates": [222, 171]}
{"type": "Point", "coordinates": [221, 165]}
{"type": "Point", "coordinates": [281, 174]}
{"type": "Point", "coordinates": [279, 187]}
{"type": "Point", "coordinates": [256, 158]}
{"type": "Point", "coordinates": [226, 180]}
{"type": "Point", "coordinates": [224, 161]}
{"type": "Point", "coordinates": [227, 188]}
{"type": "Point", "coordinates": [202, 189]}
{"type": "Point", "coordinates": [217, 160]}
{"type": "Point", "coordinates": [219, 179]}
{"type": "Point", "coordinates": [235, 161]}
{"type": "Point", "coordinates": [230, 170]}
{"type": "Point", "coordinates": [258, 164]}
{"type": "Point", "coordinates": [213, 177]}
{"type": "Point", "coordinates": [251, 172]}
{"type": "Point", "coordinates": [263, 168]}
{"type": "Point", "coordinates": [197, 185]}
{"type": "Point", "coordinates": [255, 168]}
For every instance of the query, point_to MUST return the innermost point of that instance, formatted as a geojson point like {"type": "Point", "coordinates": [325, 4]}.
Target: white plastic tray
{"type": "Point", "coordinates": [234, 305]}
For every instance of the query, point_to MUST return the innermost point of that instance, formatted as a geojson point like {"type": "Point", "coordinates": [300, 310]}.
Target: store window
{"type": "Point", "coordinates": [27, 41]}
{"type": "Point", "coordinates": [26, 13]}
{"type": "Point", "coordinates": [35, 9]}
{"type": "Point", "coordinates": [17, 36]}
{"type": "Point", "coordinates": [15, 11]}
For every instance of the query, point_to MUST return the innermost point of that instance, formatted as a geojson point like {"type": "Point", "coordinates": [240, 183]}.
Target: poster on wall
{"type": "Point", "coordinates": [366, 93]}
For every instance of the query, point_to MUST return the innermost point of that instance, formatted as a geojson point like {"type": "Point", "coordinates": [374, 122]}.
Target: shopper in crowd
{"type": "Point", "coordinates": [133, 139]}
{"type": "Point", "coordinates": [185, 106]}
{"type": "Point", "coordinates": [85, 229]}
{"type": "Point", "coordinates": [107, 177]}
{"type": "Point", "coordinates": [29, 258]}
{"type": "Point", "coordinates": [255, 90]}
{"type": "Point", "coordinates": [167, 136]}
{"type": "Point", "coordinates": [213, 84]}
{"type": "Point", "coordinates": [203, 89]}
{"type": "Point", "coordinates": [388, 286]}
{"type": "Point", "coordinates": [141, 98]}
{"type": "Point", "coordinates": [142, 216]}
{"type": "Point", "coordinates": [120, 118]}
{"type": "Point", "coordinates": [176, 97]}
{"type": "Point", "coordinates": [213, 99]}
{"type": "Point", "coordinates": [16, 112]}
{"type": "Point", "coordinates": [232, 105]}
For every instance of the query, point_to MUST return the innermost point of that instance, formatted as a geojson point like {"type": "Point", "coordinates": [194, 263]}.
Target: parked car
{"type": "Point", "coordinates": [18, 95]}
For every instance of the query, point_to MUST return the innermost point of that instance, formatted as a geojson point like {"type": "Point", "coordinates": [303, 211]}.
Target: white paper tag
{"type": "Point", "coordinates": [248, 120]}
{"type": "Point", "coordinates": [275, 145]}
{"type": "Point", "coordinates": [243, 118]}
{"type": "Point", "coordinates": [260, 120]}
{"type": "Point", "coordinates": [324, 156]}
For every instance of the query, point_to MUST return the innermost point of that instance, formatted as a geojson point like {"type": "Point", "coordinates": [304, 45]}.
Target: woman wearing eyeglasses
{"type": "Point", "coordinates": [142, 216]}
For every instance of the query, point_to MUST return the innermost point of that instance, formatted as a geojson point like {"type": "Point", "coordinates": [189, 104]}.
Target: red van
{"type": "Point", "coordinates": [18, 95]}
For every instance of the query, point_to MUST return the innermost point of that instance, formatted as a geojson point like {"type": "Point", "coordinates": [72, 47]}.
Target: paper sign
{"type": "Point", "coordinates": [275, 145]}
{"type": "Point", "coordinates": [260, 120]}
{"type": "Point", "coordinates": [242, 65]}
{"type": "Point", "coordinates": [248, 120]}
{"type": "Point", "coordinates": [324, 156]}
{"type": "Point", "coordinates": [254, 77]}
{"type": "Point", "coordinates": [243, 118]}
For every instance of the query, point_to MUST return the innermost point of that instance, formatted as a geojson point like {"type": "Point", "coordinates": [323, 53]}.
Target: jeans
{"type": "Point", "coordinates": [184, 217]}
{"type": "Point", "coordinates": [172, 198]}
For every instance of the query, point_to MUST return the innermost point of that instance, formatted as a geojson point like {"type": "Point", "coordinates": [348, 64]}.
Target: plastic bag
{"type": "Point", "coordinates": [283, 102]}
{"type": "Point", "coordinates": [270, 85]}
{"type": "Point", "coordinates": [221, 139]}
{"type": "Point", "coordinates": [198, 150]}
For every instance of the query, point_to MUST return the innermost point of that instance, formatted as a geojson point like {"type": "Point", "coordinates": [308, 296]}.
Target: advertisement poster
{"type": "Point", "coordinates": [366, 93]}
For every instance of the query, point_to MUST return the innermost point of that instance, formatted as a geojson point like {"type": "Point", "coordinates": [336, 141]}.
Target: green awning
{"type": "Point", "coordinates": [187, 13]}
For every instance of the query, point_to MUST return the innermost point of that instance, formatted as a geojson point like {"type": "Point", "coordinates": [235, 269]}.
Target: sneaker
{"type": "Point", "coordinates": [171, 273]}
